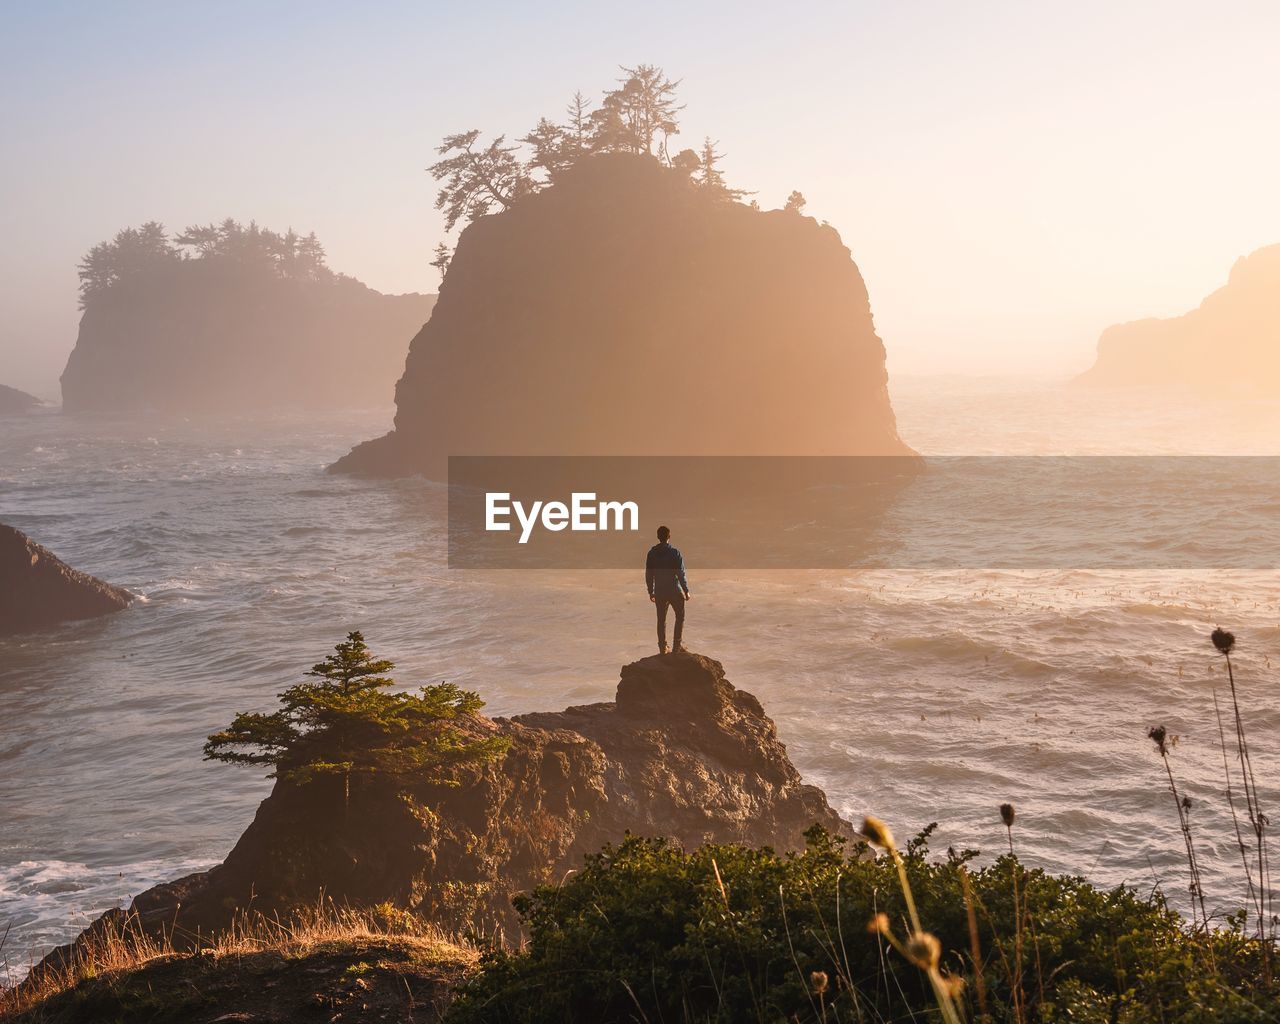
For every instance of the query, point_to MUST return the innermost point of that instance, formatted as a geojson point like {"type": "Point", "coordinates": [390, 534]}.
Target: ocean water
{"type": "Point", "coordinates": [917, 696]}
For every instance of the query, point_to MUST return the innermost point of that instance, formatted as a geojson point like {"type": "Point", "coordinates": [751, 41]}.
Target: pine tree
{"type": "Point", "coordinates": [795, 202]}
{"type": "Point", "coordinates": [133, 253]}
{"type": "Point", "coordinates": [347, 726]}
{"type": "Point", "coordinates": [477, 180]}
{"type": "Point", "coordinates": [441, 262]}
{"type": "Point", "coordinates": [550, 145]}
{"type": "Point", "coordinates": [709, 176]}
{"type": "Point", "coordinates": [578, 129]}
{"type": "Point", "coordinates": [639, 113]}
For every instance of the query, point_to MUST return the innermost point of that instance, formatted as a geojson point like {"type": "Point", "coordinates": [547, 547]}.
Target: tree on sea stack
{"type": "Point", "coordinates": [347, 725]}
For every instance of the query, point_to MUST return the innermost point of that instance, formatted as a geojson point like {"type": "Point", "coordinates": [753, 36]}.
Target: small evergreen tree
{"type": "Point", "coordinates": [346, 725]}
{"type": "Point", "coordinates": [686, 162]}
{"type": "Point", "coordinates": [577, 131]}
{"type": "Point", "coordinates": [550, 145]}
{"type": "Point", "coordinates": [642, 111]}
{"type": "Point", "coordinates": [795, 202]}
{"type": "Point", "coordinates": [134, 252]}
{"type": "Point", "coordinates": [441, 262]}
{"type": "Point", "coordinates": [709, 176]}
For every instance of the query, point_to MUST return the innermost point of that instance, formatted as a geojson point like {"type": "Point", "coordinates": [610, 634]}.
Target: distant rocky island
{"type": "Point", "coordinates": [38, 589]}
{"type": "Point", "coordinates": [616, 301]}
{"type": "Point", "coordinates": [1229, 345]}
{"type": "Point", "coordinates": [14, 401]}
{"type": "Point", "coordinates": [231, 318]}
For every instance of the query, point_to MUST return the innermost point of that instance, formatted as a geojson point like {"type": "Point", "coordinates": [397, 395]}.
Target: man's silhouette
{"type": "Point", "coordinates": [664, 578]}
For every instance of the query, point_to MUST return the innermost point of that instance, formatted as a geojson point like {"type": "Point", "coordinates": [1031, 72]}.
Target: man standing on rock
{"type": "Point", "coordinates": [664, 578]}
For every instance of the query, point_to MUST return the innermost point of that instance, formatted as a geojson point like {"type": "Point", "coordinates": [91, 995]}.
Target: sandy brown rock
{"type": "Point", "coordinates": [680, 753]}
{"type": "Point", "coordinates": [38, 589]}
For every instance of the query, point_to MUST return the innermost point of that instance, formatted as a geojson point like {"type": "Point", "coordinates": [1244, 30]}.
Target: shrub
{"type": "Point", "coordinates": [649, 932]}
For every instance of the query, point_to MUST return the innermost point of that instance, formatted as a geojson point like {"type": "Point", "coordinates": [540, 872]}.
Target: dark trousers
{"type": "Point", "coordinates": [676, 603]}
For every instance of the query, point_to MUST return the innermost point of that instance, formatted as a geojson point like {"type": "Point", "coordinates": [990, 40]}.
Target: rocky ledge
{"type": "Point", "coordinates": [38, 589]}
{"type": "Point", "coordinates": [680, 752]}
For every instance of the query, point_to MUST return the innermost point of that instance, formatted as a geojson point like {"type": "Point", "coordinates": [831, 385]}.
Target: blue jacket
{"type": "Point", "coordinates": [664, 572]}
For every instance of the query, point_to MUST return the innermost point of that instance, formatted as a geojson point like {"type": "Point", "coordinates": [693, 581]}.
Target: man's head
{"type": "Point", "coordinates": [664, 534]}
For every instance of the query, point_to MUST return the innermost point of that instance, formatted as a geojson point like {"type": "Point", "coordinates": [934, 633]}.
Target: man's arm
{"type": "Point", "coordinates": [648, 573]}
{"type": "Point", "coordinates": [684, 584]}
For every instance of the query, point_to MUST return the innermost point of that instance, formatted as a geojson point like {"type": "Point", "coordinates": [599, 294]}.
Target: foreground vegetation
{"type": "Point", "coordinates": [324, 964]}
{"type": "Point", "coordinates": [648, 932]}
{"type": "Point", "coordinates": [726, 933]}
{"type": "Point", "coordinates": [846, 930]}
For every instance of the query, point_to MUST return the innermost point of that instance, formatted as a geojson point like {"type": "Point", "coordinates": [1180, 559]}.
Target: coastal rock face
{"type": "Point", "coordinates": [38, 589]}
{"type": "Point", "coordinates": [14, 401]}
{"type": "Point", "coordinates": [680, 753]}
{"type": "Point", "coordinates": [1229, 345]}
{"type": "Point", "coordinates": [624, 311]}
{"type": "Point", "coordinates": [202, 337]}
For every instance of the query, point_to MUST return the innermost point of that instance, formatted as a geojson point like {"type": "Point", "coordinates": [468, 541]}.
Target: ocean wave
{"type": "Point", "coordinates": [961, 647]}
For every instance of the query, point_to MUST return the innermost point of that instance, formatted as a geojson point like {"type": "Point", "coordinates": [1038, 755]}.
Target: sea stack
{"type": "Point", "coordinates": [624, 311]}
{"type": "Point", "coordinates": [229, 318]}
{"type": "Point", "coordinates": [38, 589]}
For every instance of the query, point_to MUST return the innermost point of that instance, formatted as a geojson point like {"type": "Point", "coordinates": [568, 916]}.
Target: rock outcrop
{"type": "Point", "coordinates": [680, 753]}
{"type": "Point", "coordinates": [199, 336]}
{"type": "Point", "coordinates": [1229, 345]}
{"type": "Point", "coordinates": [38, 589]}
{"type": "Point", "coordinates": [14, 401]}
{"type": "Point", "coordinates": [624, 311]}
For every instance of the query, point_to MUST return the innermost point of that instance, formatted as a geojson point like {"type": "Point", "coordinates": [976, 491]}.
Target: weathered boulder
{"type": "Point", "coordinates": [680, 753]}
{"type": "Point", "coordinates": [1228, 346]}
{"type": "Point", "coordinates": [624, 311]}
{"type": "Point", "coordinates": [38, 589]}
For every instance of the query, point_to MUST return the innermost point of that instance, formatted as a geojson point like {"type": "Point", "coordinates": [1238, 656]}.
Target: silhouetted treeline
{"type": "Point", "coordinates": [136, 252]}
{"type": "Point", "coordinates": [640, 117]}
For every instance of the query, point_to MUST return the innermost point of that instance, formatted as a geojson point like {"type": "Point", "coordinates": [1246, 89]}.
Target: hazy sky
{"type": "Point", "coordinates": [1010, 176]}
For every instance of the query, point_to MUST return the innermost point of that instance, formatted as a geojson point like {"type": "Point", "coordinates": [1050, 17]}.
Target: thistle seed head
{"type": "Point", "coordinates": [924, 950]}
{"type": "Point", "coordinates": [879, 925]}
{"type": "Point", "coordinates": [877, 832]}
{"type": "Point", "coordinates": [1158, 735]}
{"type": "Point", "coordinates": [1223, 640]}
{"type": "Point", "coordinates": [1007, 814]}
{"type": "Point", "coordinates": [818, 979]}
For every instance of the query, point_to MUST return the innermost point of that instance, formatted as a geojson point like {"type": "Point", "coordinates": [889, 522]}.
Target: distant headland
{"type": "Point", "coordinates": [14, 401]}
{"type": "Point", "coordinates": [1227, 346]}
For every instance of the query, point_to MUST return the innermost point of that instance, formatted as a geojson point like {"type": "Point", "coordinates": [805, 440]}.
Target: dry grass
{"type": "Point", "coordinates": [122, 946]}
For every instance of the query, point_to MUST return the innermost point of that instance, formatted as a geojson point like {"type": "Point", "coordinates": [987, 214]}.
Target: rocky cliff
{"type": "Point", "coordinates": [14, 401]}
{"type": "Point", "coordinates": [38, 589]}
{"type": "Point", "coordinates": [1229, 345]}
{"type": "Point", "coordinates": [199, 335]}
{"type": "Point", "coordinates": [680, 753]}
{"type": "Point", "coordinates": [625, 311]}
